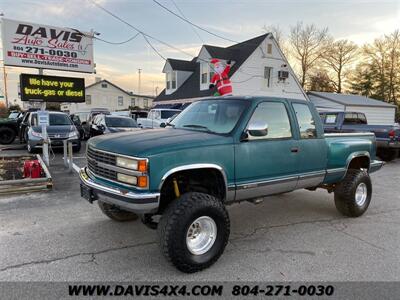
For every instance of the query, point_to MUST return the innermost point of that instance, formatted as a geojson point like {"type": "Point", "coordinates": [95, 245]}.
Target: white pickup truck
{"type": "Point", "coordinates": [157, 117]}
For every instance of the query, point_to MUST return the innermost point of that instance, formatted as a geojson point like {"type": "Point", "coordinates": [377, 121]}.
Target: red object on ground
{"type": "Point", "coordinates": [32, 169]}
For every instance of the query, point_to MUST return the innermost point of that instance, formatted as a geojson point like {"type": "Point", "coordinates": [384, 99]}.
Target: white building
{"type": "Point", "coordinates": [104, 94]}
{"type": "Point", "coordinates": [258, 68]}
{"type": "Point", "coordinates": [377, 112]}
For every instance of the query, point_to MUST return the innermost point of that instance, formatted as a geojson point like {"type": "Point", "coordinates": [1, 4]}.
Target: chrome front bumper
{"type": "Point", "coordinates": [136, 202]}
{"type": "Point", "coordinates": [375, 165]}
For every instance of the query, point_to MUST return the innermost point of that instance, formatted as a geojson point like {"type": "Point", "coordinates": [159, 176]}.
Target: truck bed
{"type": "Point", "coordinates": [343, 147]}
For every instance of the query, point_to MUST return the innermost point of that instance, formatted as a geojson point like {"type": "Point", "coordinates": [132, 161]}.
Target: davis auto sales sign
{"type": "Point", "coordinates": [46, 47]}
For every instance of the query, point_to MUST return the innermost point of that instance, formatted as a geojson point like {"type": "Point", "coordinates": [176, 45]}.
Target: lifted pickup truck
{"type": "Point", "coordinates": [220, 151]}
{"type": "Point", "coordinates": [387, 136]}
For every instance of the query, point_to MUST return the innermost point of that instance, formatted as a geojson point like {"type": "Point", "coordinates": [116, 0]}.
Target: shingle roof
{"type": "Point", "coordinates": [182, 65]}
{"type": "Point", "coordinates": [191, 87]}
{"type": "Point", "coordinates": [349, 99]}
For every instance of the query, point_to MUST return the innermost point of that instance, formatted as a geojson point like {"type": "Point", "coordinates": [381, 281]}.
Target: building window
{"type": "Point", "coordinates": [171, 80]}
{"type": "Point", "coordinates": [269, 48]}
{"type": "Point", "coordinates": [104, 85]}
{"type": "Point", "coordinates": [133, 102]}
{"type": "Point", "coordinates": [120, 101]}
{"type": "Point", "coordinates": [204, 73]}
{"type": "Point", "coordinates": [88, 99]}
{"type": "Point", "coordinates": [267, 76]}
{"type": "Point", "coordinates": [145, 102]}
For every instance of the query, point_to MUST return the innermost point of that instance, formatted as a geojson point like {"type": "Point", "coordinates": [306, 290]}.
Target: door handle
{"type": "Point", "coordinates": [294, 150]}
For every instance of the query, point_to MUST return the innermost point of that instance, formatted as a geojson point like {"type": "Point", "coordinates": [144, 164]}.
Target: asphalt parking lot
{"type": "Point", "coordinates": [57, 236]}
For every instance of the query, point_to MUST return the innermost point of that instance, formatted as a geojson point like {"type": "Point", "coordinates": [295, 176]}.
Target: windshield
{"type": "Point", "coordinates": [217, 116]}
{"type": "Point", "coordinates": [165, 114]}
{"type": "Point", "coordinates": [120, 122]}
{"type": "Point", "coordinates": [13, 115]}
{"type": "Point", "coordinates": [59, 120]}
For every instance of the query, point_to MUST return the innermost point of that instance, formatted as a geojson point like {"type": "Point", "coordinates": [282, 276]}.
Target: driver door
{"type": "Point", "coordinates": [266, 165]}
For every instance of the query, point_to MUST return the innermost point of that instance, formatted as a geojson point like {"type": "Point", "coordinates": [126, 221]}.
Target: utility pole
{"type": "Point", "coordinates": [139, 83]}
{"type": "Point", "coordinates": [5, 84]}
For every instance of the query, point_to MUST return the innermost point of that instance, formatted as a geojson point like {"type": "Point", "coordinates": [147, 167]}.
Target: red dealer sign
{"type": "Point", "coordinates": [41, 46]}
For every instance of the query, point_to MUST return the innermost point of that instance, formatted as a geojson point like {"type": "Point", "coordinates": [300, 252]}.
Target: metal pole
{"type": "Point", "coordinates": [45, 147]}
{"type": "Point", "coordinates": [5, 84]}
{"type": "Point", "coordinates": [139, 83]}
{"type": "Point", "coordinates": [70, 151]}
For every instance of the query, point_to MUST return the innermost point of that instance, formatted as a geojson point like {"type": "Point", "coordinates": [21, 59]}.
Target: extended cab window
{"type": "Point", "coordinates": [350, 118]}
{"type": "Point", "coordinates": [276, 116]}
{"type": "Point", "coordinates": [305, 120]}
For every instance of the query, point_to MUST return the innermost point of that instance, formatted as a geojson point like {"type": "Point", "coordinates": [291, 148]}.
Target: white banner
{"type": "Point", "coordinates": [47, 47]}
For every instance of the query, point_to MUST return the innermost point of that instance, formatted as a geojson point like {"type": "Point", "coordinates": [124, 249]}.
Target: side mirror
{"type": "Point", "coordinates": [102, 127]}
{"type": "Point", "coordinates": [163, 125]}
{"type": "Point", "coordinates": [258, 129]}
{"type": "Point", "coordinates": [84, 123]}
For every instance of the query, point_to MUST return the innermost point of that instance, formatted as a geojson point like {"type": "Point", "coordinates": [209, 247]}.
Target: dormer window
{"type": "Point", "coordinates": [206, 73]}
{"type": "Point", "coordinates": [171, 80]}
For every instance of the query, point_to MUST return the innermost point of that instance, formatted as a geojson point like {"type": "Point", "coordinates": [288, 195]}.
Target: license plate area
{"type": "Point", "coordinates": [88, 193]}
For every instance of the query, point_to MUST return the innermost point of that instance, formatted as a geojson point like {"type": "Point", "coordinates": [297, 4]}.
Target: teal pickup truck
{"type": "Point", "coordinates": [219, 151]}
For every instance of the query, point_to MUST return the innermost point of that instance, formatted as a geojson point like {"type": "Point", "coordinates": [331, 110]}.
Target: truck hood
{"type": "Point", "coordinates": [144, 143]}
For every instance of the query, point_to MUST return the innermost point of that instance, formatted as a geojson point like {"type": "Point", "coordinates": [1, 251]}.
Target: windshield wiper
{"type": "Point", "coordinates": [198, 126]}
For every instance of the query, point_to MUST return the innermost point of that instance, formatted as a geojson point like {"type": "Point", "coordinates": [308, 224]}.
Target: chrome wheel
{"type": "Point", "coordinates": [201, 235]}
{"type": "Point", "coordinates": [361, 194]}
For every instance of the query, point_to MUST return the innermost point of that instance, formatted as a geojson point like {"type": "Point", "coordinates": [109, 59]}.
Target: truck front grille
{"type": "Point", "coordinates": [94, 157]}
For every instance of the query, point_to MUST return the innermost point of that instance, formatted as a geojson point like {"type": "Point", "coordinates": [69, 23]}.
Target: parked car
{"type": "Point", "coordinates": [157, 117]}
{"type": "Point", "coordinates": [387, 136]}
{"type": "Point", "coordinates": [220, 151]}
{"type": "Point", "coordinates": [86, 124]}
{"type": "Point", "coordinates": [60, 128]}
{"type": "Point", "coordinates": [135, 114]}
{"type": "Point", "coordinates": [103, 124]}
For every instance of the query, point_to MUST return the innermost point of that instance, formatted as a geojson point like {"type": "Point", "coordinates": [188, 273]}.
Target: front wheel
{"type": "Point", "coordinates": [7, 135]}
{"type": "Point", "coordinates": [194, 231]}
{"type": "Point", "coordinates": [353, 194]}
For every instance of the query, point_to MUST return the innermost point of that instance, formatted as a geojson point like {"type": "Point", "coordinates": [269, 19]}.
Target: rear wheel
{"type": "Point", "coordinates": [115, 213]}
{"type": "Point", "coordinates": [353, 194]}
{"type": "Point", "coordinates": [7, 135]}
{"type": "Point", "coordinates": [194, 231]}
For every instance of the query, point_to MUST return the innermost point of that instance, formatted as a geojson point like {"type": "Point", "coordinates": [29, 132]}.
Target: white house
{"type": "Point", "coordinates": [377, 112]}
{"type": "Point", "coordinates": [258, 68]}
{"type": "Point", "coordinates": [104, 94]}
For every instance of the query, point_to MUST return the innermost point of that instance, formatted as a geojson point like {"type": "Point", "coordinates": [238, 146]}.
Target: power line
{"type": "Point", "coordinates": [138, 30]}
{"type": "Point", "coordinates": [182, 14]}
{"type": "Point", "coordinates": [117, 43]}
{"type": "Point", "coordinates": [197, 26]}
{"type": "Point", "coordinates": [155, 50]}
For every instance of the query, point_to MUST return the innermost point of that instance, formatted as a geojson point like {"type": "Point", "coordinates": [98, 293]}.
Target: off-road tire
{"type": "Point", "coordinates": [115, 213]}
{"type": "Point", "coordinates": [345, 200]}
{"type": "Point", "coordinates": [7, 135]}
{"type": "Point", "coordinates": [174, 225]}
{"type": "Point", "coordinates": [388, 154]}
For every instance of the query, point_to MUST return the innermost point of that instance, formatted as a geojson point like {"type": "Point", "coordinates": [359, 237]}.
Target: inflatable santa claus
{"type": "Point", "coordinates": [221, 79]}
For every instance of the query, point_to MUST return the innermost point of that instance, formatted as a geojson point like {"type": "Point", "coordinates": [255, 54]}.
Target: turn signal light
{"type": "Point", "coordinates": [142, 165]}
{"type": "Point", "coordinates": [142, 181]}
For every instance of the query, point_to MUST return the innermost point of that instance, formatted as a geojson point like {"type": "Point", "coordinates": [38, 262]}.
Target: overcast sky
{"type": "Point", "coordinates": [358, 20]}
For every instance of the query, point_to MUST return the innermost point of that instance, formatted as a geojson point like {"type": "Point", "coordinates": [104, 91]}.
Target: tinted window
{"type": "Point", "coordinates": [120, 122]}
{"type": "Point", "coordinates": [362, 119]}
{"type": "Point", "coordinates": [218, 116]}
{"type": "Point", "coordinates": [275, 115]}
{"type": "Point", "coordinates": [305, 120]}
{"type": "Point", "coordinates": [350, 118]}
{"type": "Point", "coordinates": [165, 114]}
